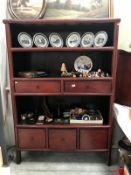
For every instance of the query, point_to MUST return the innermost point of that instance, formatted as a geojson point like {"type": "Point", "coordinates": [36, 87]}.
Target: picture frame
{"type": "Point", "coordinates": [26, 9]}
{"type": "Point", "coordinates": [79, 9]}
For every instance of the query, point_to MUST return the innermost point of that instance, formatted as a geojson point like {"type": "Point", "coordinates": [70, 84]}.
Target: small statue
{"type": "Point", "coordinates": [85, 74]}
{"type": "Point", "coordinates": [63, 69]}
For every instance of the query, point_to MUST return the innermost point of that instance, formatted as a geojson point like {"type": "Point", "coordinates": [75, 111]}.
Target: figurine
{"type": "Point", "coordinates": [63, 69]}
{"type": "Point", "coordinates": [40, 119]}
{"type": "Point", "coordinates": [23, 118]}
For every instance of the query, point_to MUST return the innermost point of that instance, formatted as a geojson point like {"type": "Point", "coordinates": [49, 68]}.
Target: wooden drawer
{"type": "Point", "coordinates": [47, 86]}
{"type": "Point", "coordinates": [93, 139]}
{"type": "Point", "coordinates": [62, 139]}
{"type": "Point", "coordinates": [87, 86]}
{"type": "Point", "coordinates": [31, 138]}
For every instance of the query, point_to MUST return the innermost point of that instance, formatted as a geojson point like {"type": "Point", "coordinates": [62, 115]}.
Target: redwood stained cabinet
{"type": "Point", "coordinates": [87, 87]}
{"type": "Point", "coordinates": [61, 93]}
{"type": "Point", "coordinates": [62, 139]}
{"type": "Point", "coordinates": [93, 139]}
{"type": "Point", "coordinates": [31, 139]}
{"type": "Point", "coordinates": [37, 86]}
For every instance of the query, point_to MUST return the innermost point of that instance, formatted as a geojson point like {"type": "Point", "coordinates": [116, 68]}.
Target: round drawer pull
{"type": "Point", "coordinates": [32, 139]}
{"type": "Point", "coordinates": [37, 87]}
{"type": "Point", "coordinates": [73, 85]}
{"type": "Point", "coordinates": [62, 139]}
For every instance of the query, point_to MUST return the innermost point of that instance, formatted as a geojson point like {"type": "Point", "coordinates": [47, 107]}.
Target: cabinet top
{"type": "Point", "coordinates": [90, 20]}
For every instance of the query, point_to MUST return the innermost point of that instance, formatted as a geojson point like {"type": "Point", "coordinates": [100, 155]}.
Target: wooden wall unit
{"type": "Point", "coordinates": [59, 91]}
{"type": "Point", "coordinates": [123, 81]}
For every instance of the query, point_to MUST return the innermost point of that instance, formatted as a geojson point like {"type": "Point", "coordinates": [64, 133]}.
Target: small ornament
{"type": "Point", "coordinates": [74, 75]}
{"type": "Point", "coordinates": [107, 74]}
{"type": "Point", "coordinates": [63, 69]}
{"type": "Point", "coordinates": [80, 75]}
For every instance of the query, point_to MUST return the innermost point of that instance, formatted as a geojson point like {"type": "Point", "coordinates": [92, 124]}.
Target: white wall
{"type": "Point", "coordinates": [122, 9]}
{"type": "Point", "coordinates": [7, 113]}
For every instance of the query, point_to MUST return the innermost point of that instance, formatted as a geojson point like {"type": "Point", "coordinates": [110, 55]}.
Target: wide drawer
{"type": "Point", "coordinates": [93, 139]}
{"type": "Point", "coordinates": [46, 86]}
{"type": "Point", "coordinates": [86, 86]}
{"type": "Point", "coordinates": [62, 139]}
{"type": "Point", "coordinates": [31, 138]}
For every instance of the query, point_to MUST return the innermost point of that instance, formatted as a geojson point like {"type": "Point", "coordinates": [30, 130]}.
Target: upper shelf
{"type": "Point", "coordinates": [63, 27]}
{"type": "Point", "coordinates": [89, 20]}
{"type": "Point", "coordinates": [35, 49]}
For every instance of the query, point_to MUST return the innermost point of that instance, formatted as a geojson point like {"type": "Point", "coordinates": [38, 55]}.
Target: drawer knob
{"type": "Point", "coordinates": [32, 139]}
{"type": "Point", "coordinates": [37, 87]}
{"type": "Point", "coordinates": [73, 85]}
{"type": "Point", "coordinates": [62, 139]}
{"type": "Point", "coordinates": [16, 82]}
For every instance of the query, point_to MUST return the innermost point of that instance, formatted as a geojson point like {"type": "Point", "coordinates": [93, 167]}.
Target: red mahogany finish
{"type": "Point", "coordinates": [61, 93]}
{"type": "Point", "coordinates": [123, 81]}
{"type": "Point", "coordinates": [89, 138]}
{"type": "Point", "coordinates": [31, 139]}
{"type": "Point", "coordinates": [35, 86]}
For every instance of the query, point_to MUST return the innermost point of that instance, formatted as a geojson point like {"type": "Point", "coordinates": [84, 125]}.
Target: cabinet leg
{"type": "Point", "coordinates": [18, 157]}
{"type": "Point", "coordinates": [109, 158]}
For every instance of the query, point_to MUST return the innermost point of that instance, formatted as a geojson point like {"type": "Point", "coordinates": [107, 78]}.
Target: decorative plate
{"type": "Point", "coordinates": [100, 39]}
{"type": "Point", "coordinates": [87, 39]}
{"type": "Point", "coordinates": [83, 64]}
{"type": "Point", "coordinates": [73, 39]}
{"type": "Point", "coordinates": [25, 40]}
{"type": "Point", "coordinates": [40, 40]}
{"type": "Point", "coordinates": [55, 40]}
{"type": "Point", "coordinates": [26, 9]}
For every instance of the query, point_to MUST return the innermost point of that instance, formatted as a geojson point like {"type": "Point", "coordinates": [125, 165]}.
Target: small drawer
{"type": "Point", "coordinates": [62, 139]}
{"type": "Point", "coordinates": [46, 86]}
{"type": "Point", "coordinates": [85, 86]}
{"type": "Point", "coordinates": [93, 139]}
{"type": "Point", "coordinates": [31, 138]}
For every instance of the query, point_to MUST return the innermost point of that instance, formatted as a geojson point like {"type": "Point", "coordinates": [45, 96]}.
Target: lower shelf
{"type": "Point", "coordinates": [63, 139]}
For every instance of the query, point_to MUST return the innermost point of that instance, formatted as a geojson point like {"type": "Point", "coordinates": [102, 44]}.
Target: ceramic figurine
{"type": "Point", "coordinates": [63, 69]}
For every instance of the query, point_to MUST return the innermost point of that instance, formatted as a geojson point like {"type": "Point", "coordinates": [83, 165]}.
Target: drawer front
{"type": "Point", "coordinates": [93, 139]}
{"type": "Point", "coordinates": [37, 86]}
{"type": "Point", "coordinates": [31, 138]}
{"type": "Point", "coordinates": [62, 139]}
{"type": "Point", "coordinates": [87, 86]}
